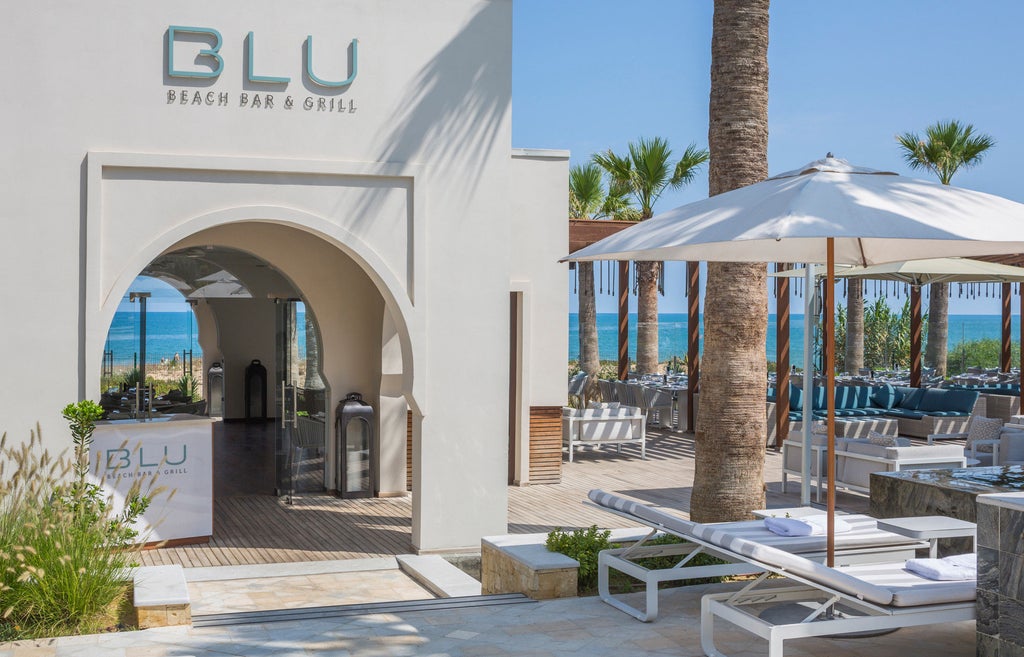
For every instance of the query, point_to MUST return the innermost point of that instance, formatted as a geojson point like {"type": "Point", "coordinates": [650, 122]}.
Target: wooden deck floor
{"type": "Point", "coordinates": [253, 528]}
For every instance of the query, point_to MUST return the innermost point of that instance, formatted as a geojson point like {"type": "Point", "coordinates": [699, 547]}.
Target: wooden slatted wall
{"type": "Point", "coordinates": [545, 444]}
{"type": "Point", "coordinates": [408, 450]}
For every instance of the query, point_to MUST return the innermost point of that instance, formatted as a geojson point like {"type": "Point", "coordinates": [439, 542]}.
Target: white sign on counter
{"type": "Point", "coordinates": [173, 453]}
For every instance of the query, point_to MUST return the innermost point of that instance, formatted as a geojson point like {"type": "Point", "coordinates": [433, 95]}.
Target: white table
{"type": "Point", "coordinates": [931, 529]}
{"type": "Point", "coordinates": [793, 512]}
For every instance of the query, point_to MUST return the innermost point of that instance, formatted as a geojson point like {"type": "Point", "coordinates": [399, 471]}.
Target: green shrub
{"type": "Point", "coordinates": [582, 545]}
{"type": "Point", "coordinates": [188, 385]}
{"type": "Point", "coordinates": [64, 552]}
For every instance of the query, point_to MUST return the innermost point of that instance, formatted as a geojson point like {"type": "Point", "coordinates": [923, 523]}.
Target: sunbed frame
{"type": "Point", "coordinates": [624, 559]}
{"type": "Point", "coordinates": [822, 618]}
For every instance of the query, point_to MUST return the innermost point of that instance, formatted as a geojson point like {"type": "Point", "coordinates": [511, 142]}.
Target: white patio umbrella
{"type": "Point", "coordinates": [826, 212]}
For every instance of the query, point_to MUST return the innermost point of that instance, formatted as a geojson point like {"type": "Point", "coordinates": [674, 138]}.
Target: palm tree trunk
{"type": "Point", "coordinates": [313, 379]}
{"type": "Point", "coordinates": [647, 317]}
{"type": "Point", "coordinates": [590, 360]}
{"type": "Point", "coordinates": [854, 325]}
{"type": "Point", "coordinates": [938, 327]}
{"type": "Point", "coordinates": [731, 428]}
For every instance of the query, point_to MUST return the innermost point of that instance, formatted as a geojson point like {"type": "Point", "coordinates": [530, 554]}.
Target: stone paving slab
{"type": "Point", "coordinates": [305, 590]}
{"type": "Point", "coordinates": [577, 626]}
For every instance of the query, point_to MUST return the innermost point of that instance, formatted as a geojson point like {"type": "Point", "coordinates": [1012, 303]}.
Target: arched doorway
{"type": "Point", "coordinates": [353, 343]}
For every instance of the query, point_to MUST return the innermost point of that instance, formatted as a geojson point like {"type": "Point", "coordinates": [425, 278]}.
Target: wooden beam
{"type": "Point", "coordinates": [692, 340]}
{"type": "Point", "coordinates": [584, 232]}
{"type": "Point", "coordinates": [915, 336]}
{"type": "Point", "coordinates": [781, 357]}
{"type": "Point", "coordinates": [623, 320]}
{"type": "Point", "coordinates": [1004, 352]}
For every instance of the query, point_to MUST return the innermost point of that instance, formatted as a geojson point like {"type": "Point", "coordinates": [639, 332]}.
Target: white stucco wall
{"type": "Point", "coordinates": [409, 193]}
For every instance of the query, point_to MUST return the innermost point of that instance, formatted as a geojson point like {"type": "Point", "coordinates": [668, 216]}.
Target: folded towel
{"type": "Point", "coordinates": [955, 568]}
{"type": "Point", "coordinates": [806, 526]}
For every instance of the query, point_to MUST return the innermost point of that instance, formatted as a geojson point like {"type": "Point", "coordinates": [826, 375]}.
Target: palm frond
{"type": "Point", "coordinates": [947, 147]}
{"type": "Point", "coordinates": [586, 190]}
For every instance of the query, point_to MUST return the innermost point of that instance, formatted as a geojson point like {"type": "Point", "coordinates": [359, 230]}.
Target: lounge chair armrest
{"type": "Point", "coordinates": [932, 437]}
{"type": "Point", "coordinates": [972, 451]}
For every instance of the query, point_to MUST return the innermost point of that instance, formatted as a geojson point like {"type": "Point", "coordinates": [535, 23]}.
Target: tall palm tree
{"type": "Point", "coordinates": [730, 438]}
{"type": "Point", "coordinates": [947, 147]}
{"type": "Point", "coordinates": [586, 198]}
{"type": "Point", "coordinates": [644, 174]}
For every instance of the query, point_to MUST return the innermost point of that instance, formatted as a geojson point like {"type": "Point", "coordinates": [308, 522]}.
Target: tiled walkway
{"type": "Point", "coordinates": [299, 585]}
{"type": "Point", "coordinates": [580, 626]}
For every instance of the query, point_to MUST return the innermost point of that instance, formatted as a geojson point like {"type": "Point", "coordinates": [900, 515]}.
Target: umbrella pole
{"type": "Point", "coordinates": [830, 393]}
{"type": "Point", "coordinates": [810, 289]}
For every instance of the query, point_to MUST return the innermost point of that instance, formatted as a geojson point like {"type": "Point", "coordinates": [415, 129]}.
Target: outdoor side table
{"type": "Point", "coordinates": [931, 529]}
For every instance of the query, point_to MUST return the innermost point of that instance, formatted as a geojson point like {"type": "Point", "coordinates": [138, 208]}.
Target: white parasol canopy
{"type": "Point", "coordinates": [937, 270]}
{"type": "Point", "coordinates": [826, 212]}
{"type": "Point", "coordinates": [788, 218]}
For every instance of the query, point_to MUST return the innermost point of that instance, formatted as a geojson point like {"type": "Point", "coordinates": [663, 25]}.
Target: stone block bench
{"type": "Point", "coordinates": [519, 563]}
{"type": "Point", "coordinates": [161, 596]}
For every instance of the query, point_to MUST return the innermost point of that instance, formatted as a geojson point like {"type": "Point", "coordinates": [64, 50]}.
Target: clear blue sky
{"type": "Point", "coordinates": [844, 77]}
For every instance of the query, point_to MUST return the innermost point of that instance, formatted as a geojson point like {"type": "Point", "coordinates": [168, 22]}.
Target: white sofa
{"type": "Point", "coordinates": [856, 459]}
{"type": "Point", "coordinates": [608, 424]}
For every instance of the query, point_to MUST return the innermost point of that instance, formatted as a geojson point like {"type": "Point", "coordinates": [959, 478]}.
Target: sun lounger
{"type": "Point", "coordinates": [864, 543]}
{"type": "Point", "coordinates": [860, 598]}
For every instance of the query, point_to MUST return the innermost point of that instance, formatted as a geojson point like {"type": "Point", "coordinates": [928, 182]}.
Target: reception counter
{"type": "Point", "coordinates": [173, 452]}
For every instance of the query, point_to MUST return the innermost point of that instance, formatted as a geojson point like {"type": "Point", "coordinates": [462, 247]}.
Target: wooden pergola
{"type": "Point", "coordinates": [584, 232]}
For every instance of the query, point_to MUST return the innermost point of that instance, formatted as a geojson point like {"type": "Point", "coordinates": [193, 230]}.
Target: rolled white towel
{"type": "Point", "coordinates": [806, 526]}
{"type": "Point", "coordinates": [957, 568]}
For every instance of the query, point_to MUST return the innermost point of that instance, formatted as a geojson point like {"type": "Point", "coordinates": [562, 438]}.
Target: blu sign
{"type": "Point", "coordinates": [204, 46]}
{"type": "Point", "coordinates": [176, 455]}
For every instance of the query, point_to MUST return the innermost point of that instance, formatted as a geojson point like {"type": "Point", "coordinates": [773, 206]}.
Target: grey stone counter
{"type": "Point", "coordinates": [947, 492]}
{"type": "Point", "coordinates": [1000, 628]}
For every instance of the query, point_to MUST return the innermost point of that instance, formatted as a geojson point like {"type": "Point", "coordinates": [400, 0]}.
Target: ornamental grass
{"type": "Point", "coordinates": [65, 549]}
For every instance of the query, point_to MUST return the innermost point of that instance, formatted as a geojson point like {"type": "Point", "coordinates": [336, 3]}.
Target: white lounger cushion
{"type": "Point", "coordinates": [672, 523]}
{"type": "Point", "coordinates": [910, 589]}
{"type": "Point", "coordinates": [864, 531]}
{"type": "Point", "coordinates": [830, 577]}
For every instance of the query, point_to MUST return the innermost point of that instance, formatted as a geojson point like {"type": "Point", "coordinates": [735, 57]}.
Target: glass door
{"type": "Point", "coordinates": [301, 402]}
{"type": "Point", "coordinates": [286, 388]}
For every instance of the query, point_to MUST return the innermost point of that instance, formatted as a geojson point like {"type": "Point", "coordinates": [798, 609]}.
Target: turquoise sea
{"type": "Point", "coordinates": [672, 334]}
{"type": "Point", "coordinates": [167, 334]}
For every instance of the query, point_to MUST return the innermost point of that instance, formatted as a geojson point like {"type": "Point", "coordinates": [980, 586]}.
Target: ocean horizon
{"type": "Point", "coordinates": [672, 334]}
{"type": "Point", "coordinates": [167, 333]}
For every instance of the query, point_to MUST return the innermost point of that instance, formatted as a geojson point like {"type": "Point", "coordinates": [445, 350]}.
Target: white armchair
{"type": "Point", "coordinates": [1007, 449]}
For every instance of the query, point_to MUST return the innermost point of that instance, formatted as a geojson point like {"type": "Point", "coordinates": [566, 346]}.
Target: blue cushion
{"type": "Point", "coordinates": [947, 413]}
{"type": "Point", "coordinates": [910, 398]}
{"type": "Point", "coordinates": [948, 400]}
{"type": "Point", "coordinates": [770, 394]}
{"type": "Point", "coordinates": [819, 403]}
{"type": "Point", "coordinates": [884, 396]}
{"type": "Point", "coordinates": [796, 398]}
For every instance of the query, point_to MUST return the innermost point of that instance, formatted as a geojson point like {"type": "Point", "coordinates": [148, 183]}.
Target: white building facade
{"type": "Point", "coordinates": [362, 149]}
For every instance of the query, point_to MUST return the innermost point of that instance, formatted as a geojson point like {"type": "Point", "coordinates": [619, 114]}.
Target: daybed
{"type": "Point", "coordinates": [881, 596]}
{"type": "Point", "coordinates": [864, 543]}
{"type": "Point", "coordinates": [919, 411]}
{"type": "Point", "coordinates": [604, 424]}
